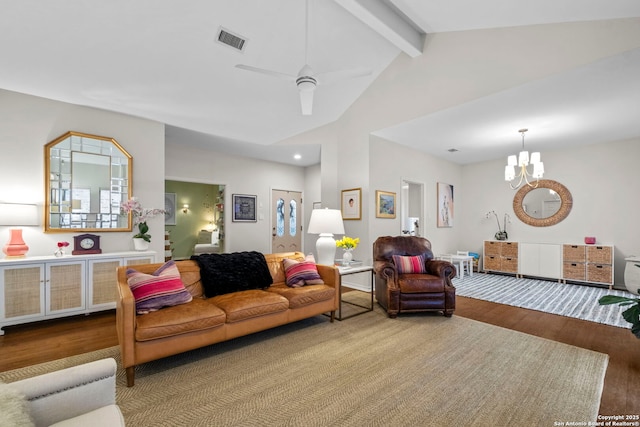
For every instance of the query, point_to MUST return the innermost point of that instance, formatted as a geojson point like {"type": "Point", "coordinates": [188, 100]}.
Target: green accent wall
{"type": "Point", "coordinates": [201, 215]}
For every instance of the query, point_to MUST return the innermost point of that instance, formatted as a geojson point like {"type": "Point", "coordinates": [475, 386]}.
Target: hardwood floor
{"type": "Point", "coordinates": [29, 344]}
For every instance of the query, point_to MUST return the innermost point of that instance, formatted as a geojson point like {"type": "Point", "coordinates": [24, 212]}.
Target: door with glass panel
{"type": "Point", "coordinates": [286, 224]}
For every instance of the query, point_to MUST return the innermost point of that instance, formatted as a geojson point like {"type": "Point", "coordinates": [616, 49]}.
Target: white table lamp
{"type": "Point", "coordinates": [326, 223]}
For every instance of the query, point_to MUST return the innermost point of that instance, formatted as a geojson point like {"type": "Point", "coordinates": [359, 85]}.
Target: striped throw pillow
{"type": "Point", "coordinates": [300, 273]}
{"type": "Point", "coordinates": [410, 264]}
{"type": "Point", "coordinates": [163, 288]}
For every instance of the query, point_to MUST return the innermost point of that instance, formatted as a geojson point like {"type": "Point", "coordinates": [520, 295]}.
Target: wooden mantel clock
{"type": "Point", "coordinates": [86, 244]}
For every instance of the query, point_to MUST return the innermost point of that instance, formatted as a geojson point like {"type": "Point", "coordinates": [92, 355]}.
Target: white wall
{"type": "Point", "coordinates": [601, 179]}
{"type": "Point", "coordinates": [240, 175]}
{"type": "Point", "coordinates": [27, 123]}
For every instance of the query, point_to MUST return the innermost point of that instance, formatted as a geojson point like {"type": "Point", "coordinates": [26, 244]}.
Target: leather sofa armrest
{"type": "Point", "coordinates": [441, 268]}
{"type": "Point", "coordinates": [125, 319]}
{"type": "Point", "coordinates": [329, 274]}
{"type": "Point", "coordinates": [387, 271]}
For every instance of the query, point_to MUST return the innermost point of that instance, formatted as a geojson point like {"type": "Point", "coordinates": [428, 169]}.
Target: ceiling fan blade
{"type": "Point", "coordinates": [266, 72]}
{"type": "Point", "coordinates": [306, 102]}
{"type": "Point", "coordinates": [334, 76]}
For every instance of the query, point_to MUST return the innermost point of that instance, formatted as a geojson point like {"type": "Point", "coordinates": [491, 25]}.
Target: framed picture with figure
{"type": "Point", "coordinates": [350, 206]}
{"type": "Point", "coordinates": [385, 204]}
{"type": "Point", "coordinates": [169, 208]}
{"type": "Point", "coordinates": [445, 205]}
{"type": "Point", "coordinates": [244, 208]}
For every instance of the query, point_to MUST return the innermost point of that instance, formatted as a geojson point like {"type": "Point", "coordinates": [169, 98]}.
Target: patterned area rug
{"type": "Point", "coordinates": [569, 300]}
{"type": "Point", "coordinates": [417, 370]}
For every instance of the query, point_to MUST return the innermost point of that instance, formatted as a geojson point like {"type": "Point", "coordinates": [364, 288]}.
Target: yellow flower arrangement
{"type": "Point", "coordinates": [347, 242]}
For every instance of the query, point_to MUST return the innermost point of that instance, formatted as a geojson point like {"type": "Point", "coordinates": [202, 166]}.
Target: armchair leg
{"type": "Point", "coordinates": [131, 375]}
{"type": "Point", "coordinates": [333, 316]}
{"type": "Point", "coordinates": [448, 313]}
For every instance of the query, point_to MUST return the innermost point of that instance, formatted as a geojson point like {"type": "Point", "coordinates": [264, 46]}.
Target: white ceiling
{"type": "Point", "coordinates": [159, 59]}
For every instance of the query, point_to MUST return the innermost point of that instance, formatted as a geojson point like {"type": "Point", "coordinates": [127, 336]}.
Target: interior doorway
{"type": "Point", "coordinates": [286, 223]}
{"type": "Point", "coordinates": [412, 207]}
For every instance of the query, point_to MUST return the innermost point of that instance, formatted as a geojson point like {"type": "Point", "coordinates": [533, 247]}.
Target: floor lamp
{"type": "Point", "coordinates": [13, 214]}
{"type": "Point", "coordinates": [326, 223]}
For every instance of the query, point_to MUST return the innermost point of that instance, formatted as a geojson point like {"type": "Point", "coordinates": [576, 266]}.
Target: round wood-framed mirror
{"type": "Point", "coordinates": [547, 204]}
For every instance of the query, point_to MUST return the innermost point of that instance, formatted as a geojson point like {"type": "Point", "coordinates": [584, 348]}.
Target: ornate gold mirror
{"type": "Point", "coordinates": [87, 177]}
{"type": "Point", "coordinates": [545, 205]}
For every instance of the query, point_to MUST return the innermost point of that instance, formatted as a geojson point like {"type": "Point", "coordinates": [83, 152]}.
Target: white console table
{"type": "Point", "coordinates": [48, 287]}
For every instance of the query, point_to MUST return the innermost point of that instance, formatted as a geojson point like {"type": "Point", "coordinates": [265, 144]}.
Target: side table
{"type": "Point", "coordinates": [345, 271]}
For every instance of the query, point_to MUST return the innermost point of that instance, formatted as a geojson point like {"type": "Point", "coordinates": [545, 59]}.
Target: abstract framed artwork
{"type": "Point", "coordinates": [169, 208]}
{"type": "Point", "coordinates": [351, 206]}
{"type": "Point", "coordinates": [445, 205]}
{"type": "Point", "coordinates": [244, 208]}
{"type": "Point", "coordinates": [385, 204]}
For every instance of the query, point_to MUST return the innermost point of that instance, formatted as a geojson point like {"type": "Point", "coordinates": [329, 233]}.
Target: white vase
{"type": "Point", "coordinates": [347, 257]}
{"type": "Point", "coordinates": [140, 244]}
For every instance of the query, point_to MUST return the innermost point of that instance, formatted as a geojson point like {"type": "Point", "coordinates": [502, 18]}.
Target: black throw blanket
{"type": "Point", "coordinates": [232, 272]}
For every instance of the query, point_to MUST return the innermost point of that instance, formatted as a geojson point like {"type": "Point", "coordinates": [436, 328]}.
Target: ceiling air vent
{"type": "Point", "coordinates": [235, 41]}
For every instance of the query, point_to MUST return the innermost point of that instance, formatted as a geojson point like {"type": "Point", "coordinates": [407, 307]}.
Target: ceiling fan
{"type": "Point", "coordinates": [306, 80]}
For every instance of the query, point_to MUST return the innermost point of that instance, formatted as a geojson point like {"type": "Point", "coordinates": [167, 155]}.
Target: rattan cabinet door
{"type": "Point", "coordinates": [22, 291]}
{"type": "Point", "coordinates": [65, 287]}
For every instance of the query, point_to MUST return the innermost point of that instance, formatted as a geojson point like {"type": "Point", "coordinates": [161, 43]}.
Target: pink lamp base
{"type": "Point", "coordinates": [16, 246]}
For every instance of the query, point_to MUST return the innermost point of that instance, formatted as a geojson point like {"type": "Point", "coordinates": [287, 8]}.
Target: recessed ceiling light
{"type": "Point", "coordinates": [297, 156]}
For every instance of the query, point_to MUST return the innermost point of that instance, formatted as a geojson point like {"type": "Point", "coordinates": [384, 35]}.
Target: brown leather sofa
{"type": "Point", "coordinates": [404, 293]}
{"type": "Point", "coordinates": [205, 321]}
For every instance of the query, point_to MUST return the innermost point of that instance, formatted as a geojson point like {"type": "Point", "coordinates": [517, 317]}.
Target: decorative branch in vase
{"type": "Point", "coordinates": [502, 232]}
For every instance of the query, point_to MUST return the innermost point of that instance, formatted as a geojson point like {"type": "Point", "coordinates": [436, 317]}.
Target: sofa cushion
{"type": "Point", "coordinates": [162, 288]}
{"type": "Point", "coordinates": [409, 264]}
{"type": "Point", "coordinates": [300, 297]}
{"type": "Point", "coordinates": [300, 273]}
{"type": "Point", "coordinates": [196, 315]}
{"type": "Point", "coordinates": [244, 305]}
{"type": "Point", "coordinates": [232, 272]}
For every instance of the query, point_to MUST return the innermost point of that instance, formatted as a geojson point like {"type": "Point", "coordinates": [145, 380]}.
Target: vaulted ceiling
{"type": "Point", "coordinates": [161, 60]}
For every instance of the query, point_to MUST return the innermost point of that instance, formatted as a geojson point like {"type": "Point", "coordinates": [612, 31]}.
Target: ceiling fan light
{"type": "Point", "coordinates": [306, 102]}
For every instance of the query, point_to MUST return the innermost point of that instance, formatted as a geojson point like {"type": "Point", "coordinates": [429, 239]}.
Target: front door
{"type": "Point", "coordinates": [286, 225]}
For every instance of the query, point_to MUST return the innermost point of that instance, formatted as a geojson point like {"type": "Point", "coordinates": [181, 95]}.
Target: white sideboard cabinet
{"type": "Point", "coordinates": [559, 261]}
{"type": "Point", "coordinates": [40, 288]}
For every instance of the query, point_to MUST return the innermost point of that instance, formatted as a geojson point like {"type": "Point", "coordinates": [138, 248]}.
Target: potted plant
{"type": "Point", "coordinates": [631, 314]}
{"type": "Point", "coordinates": [502, 232]}
{"type": "Point", "coordinates": [142, 239]}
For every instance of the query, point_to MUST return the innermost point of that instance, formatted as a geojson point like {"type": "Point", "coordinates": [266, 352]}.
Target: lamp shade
{"type": "Point", "coordinates": [18, 214]}
{"type": "Point", "coordinates": [327, 221]}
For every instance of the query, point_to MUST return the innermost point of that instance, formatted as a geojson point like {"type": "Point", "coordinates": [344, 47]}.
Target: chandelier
{"type": "Point", "coordinates": [522, 161]}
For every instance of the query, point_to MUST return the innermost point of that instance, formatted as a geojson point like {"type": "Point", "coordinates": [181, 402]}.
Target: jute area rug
{"type": "Point", "coordinates": [571, 300]}
{"type": "Point", "coordinates": [416, 370]}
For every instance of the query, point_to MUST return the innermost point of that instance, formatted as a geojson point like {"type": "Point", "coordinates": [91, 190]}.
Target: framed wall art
{"type": "Point", "coordinates": [385, 204]}
{"type": "Point", "coordinates": [445, 205]}
{"type": "Point", "coordinates": [169, 208]}
{"type": "Point", "coordinates": [351, 206]}
{"type": "Point", "coordinates": [244, 208]}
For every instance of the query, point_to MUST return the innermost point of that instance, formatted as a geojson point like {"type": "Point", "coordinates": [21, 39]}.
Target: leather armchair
{"type": "Point", "coordinates": [403, 293]}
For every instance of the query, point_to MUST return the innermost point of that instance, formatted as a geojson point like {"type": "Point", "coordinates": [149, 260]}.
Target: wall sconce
{"type": "Point", "coordinates": [185, 207]}
{"type": "Point", "coordinates": [17, 214]}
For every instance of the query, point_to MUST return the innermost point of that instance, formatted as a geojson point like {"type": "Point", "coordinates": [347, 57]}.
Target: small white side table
{"type": "Point", "coordinates": [461, 261]}
{"type": "Point", "coordinates": [354, 269]}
